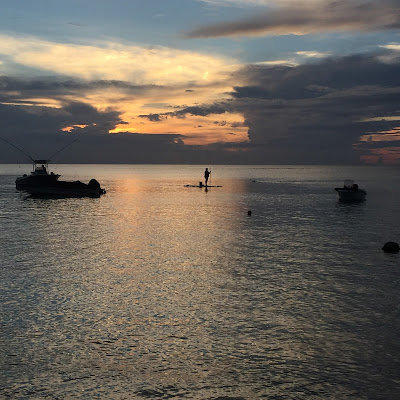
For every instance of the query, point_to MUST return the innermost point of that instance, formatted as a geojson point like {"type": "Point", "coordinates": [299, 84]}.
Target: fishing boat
{"type": "Point", "coordinates": [351, 192]}
{"type": "Point", "coordinates": [41, 182]}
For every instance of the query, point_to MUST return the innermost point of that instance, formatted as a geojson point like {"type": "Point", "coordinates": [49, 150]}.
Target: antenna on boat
{"type": "Point", "coordinates": [13, 145]}
{"type": "Point", "coordinates": [59, 151]}
{"type": "Point", "coordinates": [34, 161]}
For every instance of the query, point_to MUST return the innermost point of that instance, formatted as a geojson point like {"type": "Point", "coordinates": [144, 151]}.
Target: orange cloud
{"type": "Point", "coordinates": [161, 80]}
{"type": "Point", "coordinates": [195, 130]}
{"type": "Point", "coordinates": [383, 136]}
{"type": "Point", "coordinates": [386, 156]}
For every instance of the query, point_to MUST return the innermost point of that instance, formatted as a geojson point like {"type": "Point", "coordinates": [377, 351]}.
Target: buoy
{"type": "Point", "coordinates": [249, 212]}
{"type": "Point", "coordinates": [391, 247]}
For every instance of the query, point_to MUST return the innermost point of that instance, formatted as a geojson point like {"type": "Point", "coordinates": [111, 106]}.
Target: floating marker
{"type": "Point", "coordinates": [391, 247]}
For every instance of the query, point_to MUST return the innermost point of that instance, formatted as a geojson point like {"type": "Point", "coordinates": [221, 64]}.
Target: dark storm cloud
{"type": "Point", "coordinates": [20, 110]}
{"type": "Point", "coordinates": [303, 18]}
{"type": "Point", "coordinates": [152, 117]}
{"type": "Point", "coordinates": [18, 120]}
{"type": "Point", "coordinates": [14, 89]}
{"type": "Point", "coordinates": [308, 114]}
{"type": "Point", "coordinates": [313, 113]}
{"type": "Point", "coordinates": [37, 132]}
{"type": "Point", "coordinates": [37, 129]}
{"type": "Point", "coordinates": [200, 111]}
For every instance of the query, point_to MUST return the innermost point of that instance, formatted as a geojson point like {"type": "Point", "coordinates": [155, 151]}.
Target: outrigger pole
{"type": "Point", "coordinates": [13, 145]}
{"type": "Point", "coordinates": [59, 151]}
{"type": "Point", "coordinates": [34, 161]}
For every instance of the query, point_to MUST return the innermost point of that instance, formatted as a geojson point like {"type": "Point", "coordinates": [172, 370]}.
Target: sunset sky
{"type": "Point", "coordinates": [201, 81]}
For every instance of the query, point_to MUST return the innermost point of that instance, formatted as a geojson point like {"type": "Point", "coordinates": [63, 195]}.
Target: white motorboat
{"type": "Point", "coordinates": [351, 192]}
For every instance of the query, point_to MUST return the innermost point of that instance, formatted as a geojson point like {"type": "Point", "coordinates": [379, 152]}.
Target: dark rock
{"type": "Point", "coordinates": [391, 247]}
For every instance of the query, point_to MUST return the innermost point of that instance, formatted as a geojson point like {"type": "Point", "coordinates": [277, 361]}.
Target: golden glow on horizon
{"type": "Point", "coordinates": [195, 130]}
{"type": "Point", "coordinates": [160, 81]}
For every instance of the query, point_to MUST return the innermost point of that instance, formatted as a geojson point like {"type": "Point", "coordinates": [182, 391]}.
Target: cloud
{"type": "Point", "coordinates": [42, 115]}
{"type": "Point", "coordinates": [131, 80]}
{"type": "Point", "coordinates": [129, 100]}
{"type": "Point", "coordinates": [313, 54]}
{"type": "Point", "coordinates": [313, 113]}
{"type": "Point", "coordinates": [240, 3]}
{"type": "Point", "coordinates": [39, 131]}
{"type": "Point", "coordinates": [308, 18]}
{"type": "Point", "coordinates": [156, 65]}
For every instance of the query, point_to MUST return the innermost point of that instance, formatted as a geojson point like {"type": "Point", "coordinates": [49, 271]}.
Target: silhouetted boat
{"type": "Point", "coordinates": [351, 192]}
{"type": "Point", "coordinates": [42, 183]}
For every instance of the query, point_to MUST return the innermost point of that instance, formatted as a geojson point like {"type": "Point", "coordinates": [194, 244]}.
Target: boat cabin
{"type": "Point", "coordinates": [40, 167]}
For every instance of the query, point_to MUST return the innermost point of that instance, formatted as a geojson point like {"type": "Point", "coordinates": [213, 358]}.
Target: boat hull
{"type": "Point", "coordinates": [351, 195]}
{"type": "Point", "coordinates": [55, 188]}
{"type": "Point", "coordinates": [36, 180]}
{"type": "Point", "coordinates": [63, 193]}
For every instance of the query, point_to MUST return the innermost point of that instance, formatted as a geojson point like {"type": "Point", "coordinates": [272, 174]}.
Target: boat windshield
{"type": "Point", "coordinates": [348, 183]}
{"type": "Point", "coordinates": [40, 166]}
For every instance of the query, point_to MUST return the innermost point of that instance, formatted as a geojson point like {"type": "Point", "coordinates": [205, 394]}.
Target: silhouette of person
{"type": "Point", "coordinates": [206, 175]}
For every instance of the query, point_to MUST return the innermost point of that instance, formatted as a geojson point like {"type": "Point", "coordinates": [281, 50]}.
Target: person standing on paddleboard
{"type": "Point", "coordinates": [206, 175]}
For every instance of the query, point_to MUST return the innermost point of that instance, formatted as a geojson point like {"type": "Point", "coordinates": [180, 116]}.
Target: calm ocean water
{"type": "Point", "coordinates": [159, 291]}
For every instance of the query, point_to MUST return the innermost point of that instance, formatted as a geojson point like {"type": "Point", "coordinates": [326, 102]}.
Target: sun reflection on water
{"type": "Point", "coordinates": [158, 290]}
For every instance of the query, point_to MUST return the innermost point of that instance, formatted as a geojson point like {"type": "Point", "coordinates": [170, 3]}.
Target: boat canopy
{"type": "Point", "coordinates": [348, 183]}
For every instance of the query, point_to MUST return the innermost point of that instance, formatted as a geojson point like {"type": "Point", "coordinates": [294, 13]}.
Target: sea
{"type": "Point", "coordinates": [157, 290]}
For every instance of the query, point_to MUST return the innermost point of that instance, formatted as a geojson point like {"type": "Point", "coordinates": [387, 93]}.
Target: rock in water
{"type": "Point", "coordinates": [391, 247]}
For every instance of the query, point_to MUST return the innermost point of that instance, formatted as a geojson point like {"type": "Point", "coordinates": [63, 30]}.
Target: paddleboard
{"type": "Point", "coordinates": [202, 186]}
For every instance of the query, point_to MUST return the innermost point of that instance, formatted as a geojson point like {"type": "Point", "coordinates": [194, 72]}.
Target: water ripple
{"type": "Point", "coordinates": [156, 291]}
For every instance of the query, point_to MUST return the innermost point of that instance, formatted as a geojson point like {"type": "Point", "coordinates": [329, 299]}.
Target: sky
{"type": "Point", "coordinates": [201, 81]}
